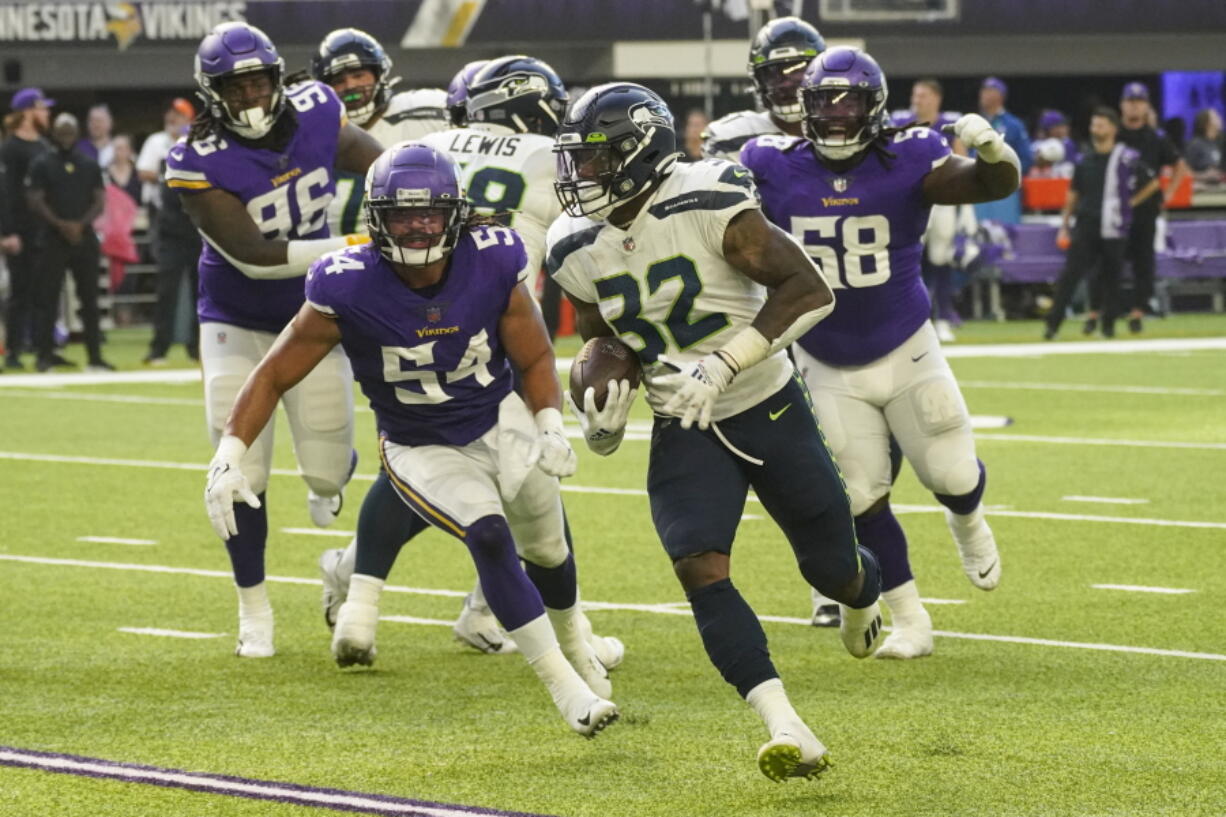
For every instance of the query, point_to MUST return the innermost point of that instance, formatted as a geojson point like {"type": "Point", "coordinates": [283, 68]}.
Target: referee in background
{"type": "Point", "coordinates": [1157, 151]}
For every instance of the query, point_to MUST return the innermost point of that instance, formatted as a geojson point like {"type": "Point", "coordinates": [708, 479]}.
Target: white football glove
{"type": "Point", "coordinates": [604, 428]}
{"type": "Point", "coordinates": [225, 482]}
{"type": "Point", "coordinates": [697, 387]}
{"type": "Point", "coordinates": [978, 134]}
{"type": "Point", "coordinates": [557, 457]}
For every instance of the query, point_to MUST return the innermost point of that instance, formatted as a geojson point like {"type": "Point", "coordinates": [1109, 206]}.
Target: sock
{"type": "Point", "coordinates": [253, 601]}
{"type": "Point", "coordinates": [568, 627]}
{"type": "Point", "coordinates": [772, 705]}
{"type": "Point", "coordinates": [966, 503]}
{"type": "Point", "coordinates": [476, 599]}
{"type": "Point", "coordinates": [905, 606]}
{"type": "Point", "coordinates": [557, 585]}
{"type": "Point", "coordinates": [246, 548]}
{"type": "Point", "coordinates": [347, 566]}
{"type": "Point", "coordinates": [513, 599]}
{"type": "Point", "coordinates": [385, 523]}
{"type": "Point", "coordinates": [365, 589]}
{"type": "Point", "coordinates": [881, 533]}
{"type": "Point", "coordinates": [732, 635]}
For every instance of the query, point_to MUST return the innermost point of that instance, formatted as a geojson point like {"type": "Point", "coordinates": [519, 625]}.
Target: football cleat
{"type": "Point", "coordinates": [860, 629]}
{"type": "Point", "coordinates": [794, 753]}
{"type": "Point", "coordinates": [609, 650]}
{"type": "Point", "coordinates": [977, 547]}
{"type": "Point", "coordinates": [593, 672]}
{"type": "Point", "coordinates": [591, 716]}
{"type": "Point", "coordinates": [255, 635]}
{"type": "Point", "coordinates": [353, 640]}
{"type": "Point", "coordinates": [335, 590]}
{"type": "Point", "coordinates": [825, 615]}
{"type": "Point", "coordinates": [478, 628]}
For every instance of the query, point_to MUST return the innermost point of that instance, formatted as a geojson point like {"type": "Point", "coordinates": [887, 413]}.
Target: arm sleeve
{"type": "Point", "coordinates": [184, 173]}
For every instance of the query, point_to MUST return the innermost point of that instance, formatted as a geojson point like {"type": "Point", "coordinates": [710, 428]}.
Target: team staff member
{"type": "Point", "coordinates": [65, 190]}
{"type": "Point", "coordinates": [1157, 152]}
{"type": "Point", "coordinates": [1108, 182]}
{"type": "Point", "coordinates": [26, 125]}
{"type": "Point", "coordinates": [992, 94]}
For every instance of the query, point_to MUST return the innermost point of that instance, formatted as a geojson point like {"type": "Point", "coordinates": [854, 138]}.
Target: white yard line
{"type": "Point", "coordinates": [1088, 387]}
{"type": "Point", "coordinates": [1106, 500]}
{"type": "Point", "coordinates": [99, 379]}
{"type": "Point", "coordinates": [664, 608]}
{"type": "Point", "coordinates": [1033, 438]}
{"type": "Point", "coordinates": [116, 540]}
{"type": "Point", "coordinates": [638, 492]}
{"type": "Point", "coordinates": [1138, 588]}
{"type": "Point", "coordinates": [167, 633]}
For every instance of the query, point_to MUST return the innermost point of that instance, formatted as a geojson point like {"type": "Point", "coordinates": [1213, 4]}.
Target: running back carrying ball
{"type": "Point", "coordinates": [599, 361]}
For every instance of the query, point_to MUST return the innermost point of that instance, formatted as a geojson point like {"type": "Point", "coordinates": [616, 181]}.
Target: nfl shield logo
{"type": "Point", "coordinates": [628, 244]}
{"type": "Point", "coordinates": [434, 314]}
{"type": "Point", "coordinates": [840, 185]}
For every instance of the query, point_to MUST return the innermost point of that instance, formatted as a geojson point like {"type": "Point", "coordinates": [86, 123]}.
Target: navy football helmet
{"type": "Point", "coordinates": [778, 57]}
{"type": "Point", "coordinates": [347, 48]}
{"type": "Point", "coordinates": [617, 141]}
{"type": "Point", "coordinates": [415, 204]}
{"type": "Point", "coordinates": [518, 92]}
{"type": "Point", "coordinates": [457, 93]}
{"type": "Point", "coordinates": [844, 94]}
{"type": "Point", "coordinates": [232, 50]}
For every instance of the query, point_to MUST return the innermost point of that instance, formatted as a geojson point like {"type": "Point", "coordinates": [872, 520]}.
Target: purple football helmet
{"type": "Point", "coordinates": [236, 49]}
{"type": "Point", "coordinates": [844, 94]}
{"type": "Point", "coordinates": [415, 205]}
{"type": "Point", "coordinates": [457, 93]}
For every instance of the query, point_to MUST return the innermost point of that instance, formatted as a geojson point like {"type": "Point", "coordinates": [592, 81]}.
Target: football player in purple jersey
{"type": "Point", "coordinates": [256, 175]}
{"type": "Point", "coordinates": [857, 195]}
{"type": "Point", "coordinates": [432, 315]}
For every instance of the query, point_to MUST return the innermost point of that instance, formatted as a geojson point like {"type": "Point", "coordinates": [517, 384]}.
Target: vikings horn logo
{"type": "Point", "coordinates": [124, 23]}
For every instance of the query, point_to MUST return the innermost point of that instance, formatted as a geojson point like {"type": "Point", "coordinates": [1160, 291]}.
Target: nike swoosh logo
{"type": "Point", "coordinates": [775, 415]}
{"type": "Point", "coordinates": [740, 173]}
{"type": "Point", "coordinates": [918, 358]}
{"type": "Point", "coordinates": [983, 574]}
{"type": "Point", "coordinates": [586, 720]}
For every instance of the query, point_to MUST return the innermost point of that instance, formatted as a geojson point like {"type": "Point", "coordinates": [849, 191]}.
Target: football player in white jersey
{"type": "Point", "coordinates": [359, 70]}
{"type": "Point", "coordinates": [678, 261]}
{"type": "Point", "coordinates": [513, 107]}
{"type": "Point", "coordinates": [778, 57]}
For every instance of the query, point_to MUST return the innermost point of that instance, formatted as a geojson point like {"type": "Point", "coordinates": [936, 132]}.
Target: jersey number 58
{"type": "Point", "coordinates": [865, 243]}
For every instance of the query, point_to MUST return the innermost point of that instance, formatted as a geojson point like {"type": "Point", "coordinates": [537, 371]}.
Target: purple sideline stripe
{"type": "Point", "coordinates": [336, 799]}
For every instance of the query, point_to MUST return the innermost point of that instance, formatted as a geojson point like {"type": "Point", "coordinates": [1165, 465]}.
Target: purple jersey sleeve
{"type": "Point", "coordinates": [285, 192]}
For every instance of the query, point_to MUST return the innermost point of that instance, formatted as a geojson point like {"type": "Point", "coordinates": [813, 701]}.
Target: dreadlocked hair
{"type": "Point", "coordinates": [476, 220]}
{"type": "Point", "coordinates": [883, 138]}
{"type": "Point", "coordinates": [204, 125]}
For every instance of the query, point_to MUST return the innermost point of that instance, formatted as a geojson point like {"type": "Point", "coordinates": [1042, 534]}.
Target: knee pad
{"type": "Point", "coordinates": [324, 403]}
{"type": "Point", "coordinates": [490, 538]}
{"type": "Point", "coordinates": [325, 467]}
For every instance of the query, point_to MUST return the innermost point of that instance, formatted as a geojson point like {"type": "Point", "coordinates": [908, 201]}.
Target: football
{"type": "Point", "coordinates": [599, 361]}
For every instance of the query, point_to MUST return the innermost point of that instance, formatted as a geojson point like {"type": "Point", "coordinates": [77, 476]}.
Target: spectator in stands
{"type": "Point", "coordinates": [27, 126]}
{"type": "Point", "coordinates": [65, 190]}
{"type": "Point", "coordinates": [151, 163]}
{"type": "Point", "coordinates": [121, 170]}
{"type": "Point", "coordinates": [97, 142]}
{"type": "Point", "coordinates": [177, 250]}
{"type": "Point", "coordinates": [1204, 153]}
{"type": "Point", "coordinates": [1053, 124]}
{"type": "Point", "coordinates": [1157, 152]}
{"type": "Point", "coordinates": [695, 123]}
{"type": "Point", "coordinates": [1107, 184]}
{"type": "Point", "coordinates": [992, 94]}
